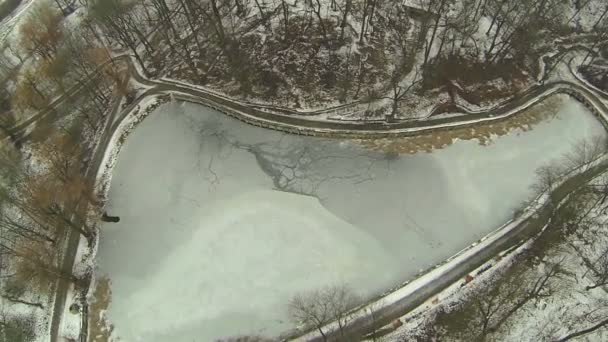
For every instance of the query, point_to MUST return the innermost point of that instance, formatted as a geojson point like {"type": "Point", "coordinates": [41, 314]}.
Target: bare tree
{"type": "Point", "coordinates": [437, 10]}
{"type": "Point", "coordinates": [600, 271]}
{"type": "Point", "coordinates": [584, 152]}
{"type": "Point", "coordinates": [216, 19]}
{"type": "Point", "coordinates": [316, 9]}
{"type": "Point", "coordinates": [489, 308]}
{"type": "Point", "coordinates": [376, 331]}
{"type": "Point", "coordinates": [547, 177]}
{"type": "Point", "coordinates": [119, 21]}
{"type": "Point", "coordinates": [399, 91]}
{"type": "Point", "coordinates": [317, 308]}
{"type": "Point", "coordinates": [346, 12]}
{"type": "Point", "coordinates": [285, 11]}
{"type": "Point", "coordinates": [41, 33]}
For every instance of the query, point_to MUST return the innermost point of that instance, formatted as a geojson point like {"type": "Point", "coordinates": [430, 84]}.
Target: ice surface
{"type": "Point", "coordinates": [221, 223]}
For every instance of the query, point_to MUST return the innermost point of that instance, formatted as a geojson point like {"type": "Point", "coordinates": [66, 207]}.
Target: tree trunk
{"type": "Point", "coordinates": [317, 12]}
{"type": "Point", "coordinates": [218, 19]}
{"type": "Point", "coordinates": [429, 46]}
{"type": "Point", "coordinates": [364, 20]}
{"type": "Point", "coordinates": [285, 18]}
{"type": "Point", "coordinates": [345, 18]}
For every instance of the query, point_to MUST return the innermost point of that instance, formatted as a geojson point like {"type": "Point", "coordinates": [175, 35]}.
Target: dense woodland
{"type": "Point", "coordinates": [312, 53]}
{"type": "Point", "coordinates": [294, 53]}
{"type": "Point", "coordinates": [315, 52]}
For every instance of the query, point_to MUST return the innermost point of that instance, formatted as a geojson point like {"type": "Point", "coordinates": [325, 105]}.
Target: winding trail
{"type": "Point", "coordinates": [309, 123]}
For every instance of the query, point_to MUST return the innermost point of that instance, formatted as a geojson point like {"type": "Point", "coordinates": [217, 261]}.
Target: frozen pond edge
{"type": "Point", "coordinates": [144, 106]}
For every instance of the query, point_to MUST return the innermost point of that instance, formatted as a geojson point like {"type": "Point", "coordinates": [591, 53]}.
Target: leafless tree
{"type": "Point", "coordinates": [437, 10]}
{"type": "Point", "coordinates": [366, 5]}
{"type": "Point", "coordinates": [398, 91]}
{"type": "Point", "coordinates": [317, 308]}
{"type": "Point", "coordinates": [600, 271]}
{"type": "Point", "coordinates": [119, 21]}
{"type": "Point", "coordinates": [547, 177]}
{"type": "Point", "coordinates": [487, 310]}
{"type": "Point", "coordinates": [345, 13]}
{"type": "Point", "coordinates": [584, 152]}
{"type": "Point", "coordinates": [42, 31]}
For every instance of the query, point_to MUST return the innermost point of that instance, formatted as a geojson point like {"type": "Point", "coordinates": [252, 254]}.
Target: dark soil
{"type": "Point", "coordinates": [596, 74]}
{"type": "Point", "coordinates": [474, 82]}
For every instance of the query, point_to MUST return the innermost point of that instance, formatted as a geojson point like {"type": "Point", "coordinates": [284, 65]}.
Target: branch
{"type": "Point", "coordinates": [595, 286]}
{"type": "Point", "coordinates": [20, 301]}
{"type": "Point", "coordinates": [584, 331]}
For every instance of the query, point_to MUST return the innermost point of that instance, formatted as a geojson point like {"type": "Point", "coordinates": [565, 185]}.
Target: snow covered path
{"type": "Point", "coordinates": [198, 233]}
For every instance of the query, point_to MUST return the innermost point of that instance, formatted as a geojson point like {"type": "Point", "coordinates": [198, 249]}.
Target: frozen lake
{"type": "Point", "coordinates": [221, 223]}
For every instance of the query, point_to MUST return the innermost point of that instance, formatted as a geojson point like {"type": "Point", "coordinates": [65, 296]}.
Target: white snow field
{"type": "Point", "coordinates": [221, 223]}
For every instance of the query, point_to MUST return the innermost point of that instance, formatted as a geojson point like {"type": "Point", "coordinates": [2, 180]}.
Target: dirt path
{"type": "Point", "coordinates": [99, 329]}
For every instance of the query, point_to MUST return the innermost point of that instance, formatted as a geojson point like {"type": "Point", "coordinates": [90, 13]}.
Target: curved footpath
{"type": "Point", "coordinates": [305, 124]}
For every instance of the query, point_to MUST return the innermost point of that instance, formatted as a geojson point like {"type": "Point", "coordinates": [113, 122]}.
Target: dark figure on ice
{"type": "Point", "coordinates": [107, 218]}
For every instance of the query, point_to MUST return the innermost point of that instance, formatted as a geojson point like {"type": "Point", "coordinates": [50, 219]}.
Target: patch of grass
{"type": "Point", "coordinates": [100, 329]}
{"type": "Point", "coordinates": [484, 133]}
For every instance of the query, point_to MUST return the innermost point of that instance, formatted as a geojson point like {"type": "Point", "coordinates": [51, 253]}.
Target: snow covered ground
{"type": "Point", "coordinates": [221, 223]}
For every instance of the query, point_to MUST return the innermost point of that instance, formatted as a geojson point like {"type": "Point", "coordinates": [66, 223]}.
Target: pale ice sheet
{"type": "Point", "coordinates": [221, 223]}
